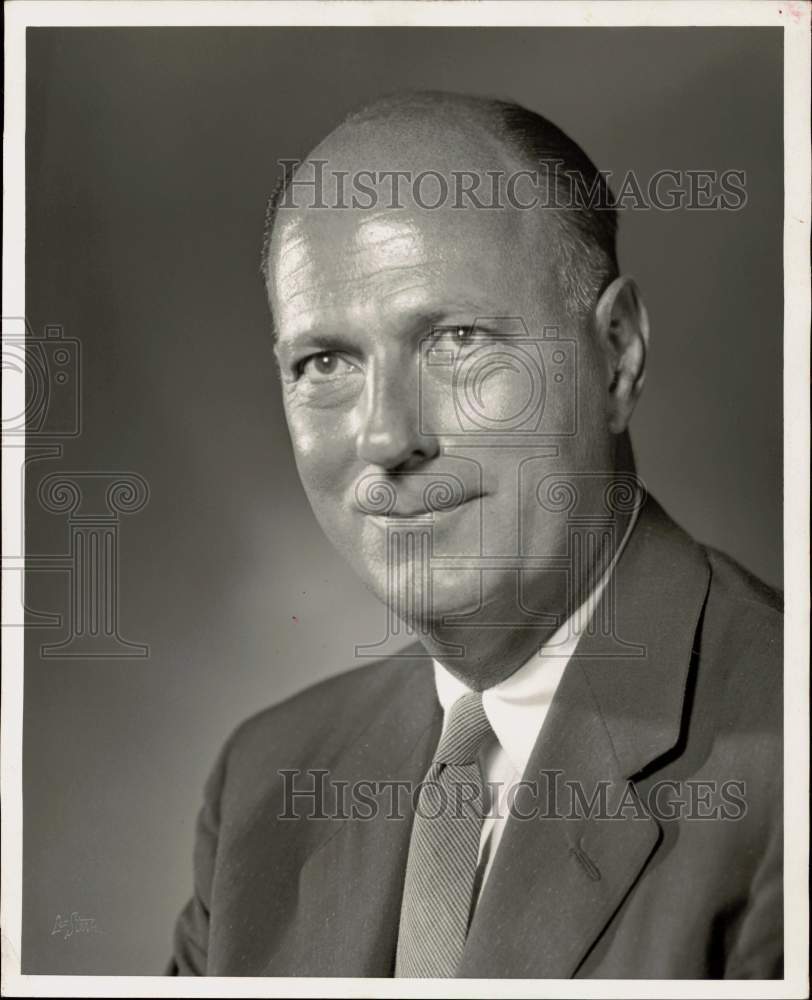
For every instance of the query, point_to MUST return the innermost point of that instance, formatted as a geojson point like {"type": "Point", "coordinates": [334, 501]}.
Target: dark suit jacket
{"type": "Point", "coordinates": [637, 895]}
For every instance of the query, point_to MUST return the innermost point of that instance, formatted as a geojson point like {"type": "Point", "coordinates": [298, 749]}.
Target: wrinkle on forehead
{"type": "Point", "coordinates": [384, 233]}
{"type": "Point", "coordinates": [382, 246]}
{"type": "Point", "coordinates": [387, 236]}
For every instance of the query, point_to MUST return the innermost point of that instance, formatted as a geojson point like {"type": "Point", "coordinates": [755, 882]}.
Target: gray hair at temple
{"type": "Point", "coordinates": [583, 205]}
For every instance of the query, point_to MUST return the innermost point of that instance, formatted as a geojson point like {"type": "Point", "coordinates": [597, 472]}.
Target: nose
{"type": "Point", "coordinates": [390, 435]}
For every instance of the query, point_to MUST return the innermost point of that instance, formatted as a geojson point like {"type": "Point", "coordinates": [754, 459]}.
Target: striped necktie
{"type": "Point", "coordinates": [444, 848]}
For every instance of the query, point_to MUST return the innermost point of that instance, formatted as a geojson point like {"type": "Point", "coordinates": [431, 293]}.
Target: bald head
{"type": "Point", "coordinates": [483, 145]}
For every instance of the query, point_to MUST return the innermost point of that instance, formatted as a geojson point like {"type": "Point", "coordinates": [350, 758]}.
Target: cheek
{"type": "Point", "coordinates": [503, 392]}
{"type": "Point", "coordinates": [323, 448]}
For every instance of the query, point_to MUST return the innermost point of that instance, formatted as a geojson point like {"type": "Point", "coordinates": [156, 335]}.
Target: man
{"type": "Point", "coordinates": [459, 373]}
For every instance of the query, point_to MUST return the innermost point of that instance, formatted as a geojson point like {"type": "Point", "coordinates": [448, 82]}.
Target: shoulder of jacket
{"type": "Point", "coordinates": [732, 583]}
{"type": "Point", "coordinates": [320, 707]}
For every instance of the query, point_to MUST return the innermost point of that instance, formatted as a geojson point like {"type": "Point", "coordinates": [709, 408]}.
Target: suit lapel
{"type": "Point", "coordinates": [559, 876]}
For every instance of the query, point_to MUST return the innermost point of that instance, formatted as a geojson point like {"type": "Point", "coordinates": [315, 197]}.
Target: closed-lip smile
{"type": "Point", "coordinates": [408, 513]}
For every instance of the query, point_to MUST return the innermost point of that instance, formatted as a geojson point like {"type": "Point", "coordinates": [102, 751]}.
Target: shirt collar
{"type": "Point", "coordinates": [516, 707]}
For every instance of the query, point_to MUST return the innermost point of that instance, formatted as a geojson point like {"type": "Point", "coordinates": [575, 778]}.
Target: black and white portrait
{"type": "Point", "coordinates": [404, 559]}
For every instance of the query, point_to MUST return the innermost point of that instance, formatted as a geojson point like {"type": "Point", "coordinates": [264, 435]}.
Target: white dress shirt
{"type": "Point", "coordinates": [516, 709]}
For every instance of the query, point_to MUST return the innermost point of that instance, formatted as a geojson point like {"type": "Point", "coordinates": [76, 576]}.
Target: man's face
{"type": "Point", "coordinates": [432, 381]}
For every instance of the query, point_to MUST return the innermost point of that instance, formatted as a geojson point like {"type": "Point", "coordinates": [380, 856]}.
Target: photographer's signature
{"type": "Point", "coordinates": [74, 924]}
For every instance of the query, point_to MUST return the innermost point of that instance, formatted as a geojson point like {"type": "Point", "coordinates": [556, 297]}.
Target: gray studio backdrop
{"type": "Point", "coordinates": [150, 153]}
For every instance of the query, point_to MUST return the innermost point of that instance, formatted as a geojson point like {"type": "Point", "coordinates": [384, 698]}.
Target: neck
{"type": "Point", "coordinates": [490, 655]}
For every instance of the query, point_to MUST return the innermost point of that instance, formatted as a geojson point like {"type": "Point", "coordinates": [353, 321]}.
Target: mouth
{"type": "Point", "coordinates": [406, 513]}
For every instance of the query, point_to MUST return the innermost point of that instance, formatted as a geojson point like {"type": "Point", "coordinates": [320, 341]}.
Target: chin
{"type": "Point", "coordinates": [455, 592]}
{"type": "Point", "coordinates": [407, 591]}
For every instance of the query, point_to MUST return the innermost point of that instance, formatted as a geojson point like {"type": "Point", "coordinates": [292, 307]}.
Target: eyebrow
{"type": "Point", "coordinates": [311, 338]}
{"type": "Point", "coordinates": [420, 322]}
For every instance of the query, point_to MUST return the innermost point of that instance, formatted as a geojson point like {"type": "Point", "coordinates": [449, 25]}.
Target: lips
{"type": "Point", "coordinates": [411, 494]}
{"type": "Point", "coordinates": [406, 511]}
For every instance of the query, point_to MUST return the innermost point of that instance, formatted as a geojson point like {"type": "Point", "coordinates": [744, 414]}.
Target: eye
{"type": "Point", "coordinates": [324, 366]}
{"type": "Point", "coordinates": [456, 335]}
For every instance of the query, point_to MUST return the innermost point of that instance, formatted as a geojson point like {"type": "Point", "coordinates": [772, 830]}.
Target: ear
{"type": "Point", "coordinates": [621, 325]}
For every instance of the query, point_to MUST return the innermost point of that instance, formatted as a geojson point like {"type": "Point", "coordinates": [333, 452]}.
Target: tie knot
{"type": "Point", "coordinates": [466, 731]}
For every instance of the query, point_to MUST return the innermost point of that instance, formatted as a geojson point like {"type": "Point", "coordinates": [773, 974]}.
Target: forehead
{"type": "Point", "coordinates": [353, 265]}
